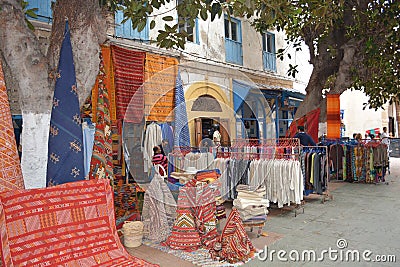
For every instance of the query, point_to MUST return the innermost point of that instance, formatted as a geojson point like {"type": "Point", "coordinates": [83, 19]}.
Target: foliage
{"type": "Point", "coordinates": [30, 13]}
{"type": "Point", "coordinates": [326, 26]}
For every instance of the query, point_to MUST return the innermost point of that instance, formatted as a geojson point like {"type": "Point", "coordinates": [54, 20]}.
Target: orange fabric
{"type": "Point", "coordinates": [10, 168]}
{"type": "Point", "coordinates": [333, 116]}
{"type": "Point", "coordinates": [160, 77]}
{"type": "Point", "coordinates": [109, 81]}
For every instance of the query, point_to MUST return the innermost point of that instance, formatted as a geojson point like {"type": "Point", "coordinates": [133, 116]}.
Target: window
{"type": "Point", "coordinates": [233, 41]}
{"type": "Point", "coordinates": [269, 54]}
{"type": "Point", "coordinates": [44, 12]}
{"type": "Point", "coordinates": [125, 29]}
{"type": "Point", "coordinates": [183, 25]}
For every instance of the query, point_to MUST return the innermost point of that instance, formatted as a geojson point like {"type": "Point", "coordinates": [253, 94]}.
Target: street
{"type": "Point", "coordinates": [362, 220]}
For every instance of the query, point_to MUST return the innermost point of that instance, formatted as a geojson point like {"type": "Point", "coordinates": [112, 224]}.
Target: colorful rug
{"type": "Point", "coordinates": [101, 165]}
{"type": "Point", "coordinates": [160, 75]}
{"type": "Point", "coordinates": [65, 154]}
{"type": "Point", "coordinates": [67, 225]}
{"type": "Point", "coordinates": [129, 77]}
{"type": "Point", "coordinates": [10, 170]}
{"type": "Point", "coordinates": [199, 257]}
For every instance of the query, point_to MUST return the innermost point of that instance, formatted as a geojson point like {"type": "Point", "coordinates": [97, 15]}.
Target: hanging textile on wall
{"type": "Point", "coordinates": [101, 165]}
{"type": "Point", "coordinates": [129, 77]}
{"type": "Point", "coordinates": [333, 116]}
{"type": "Point", "coordinates": [181, 132]}
{"type": "Point", "coordinates": [109, 81]}
{"type": "Point", "coordinates": [310, 120]}
{"type": "Point", "coordinates": [10, 170]}
{"type": "Point", "coordinates": [65, 156]}
{"type": "Point", "coordinates": [160, 76]}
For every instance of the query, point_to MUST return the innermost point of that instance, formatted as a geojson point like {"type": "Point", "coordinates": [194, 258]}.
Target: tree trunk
{"type": "Point", "coordinates": [30, 68]}
{"type": "Point", "coordinates": [397, 103]}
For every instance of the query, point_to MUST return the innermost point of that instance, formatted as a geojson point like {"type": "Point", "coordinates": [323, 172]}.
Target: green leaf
{"type": "Point", "coordinates": [203, 14]}
{"type": "Point", "coordinates": [141, 25]}
{"type": "Point", "coordinates": [168, 18]}
{"type": "Point", "coordinates": [152, 24]}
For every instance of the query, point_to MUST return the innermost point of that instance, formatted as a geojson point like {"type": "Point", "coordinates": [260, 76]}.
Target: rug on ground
{"type": "Point", "coordinates": [67, 225]}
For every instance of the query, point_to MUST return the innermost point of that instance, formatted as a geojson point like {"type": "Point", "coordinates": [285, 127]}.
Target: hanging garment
{"type": "Point", "coordinates": [159, 210]}
{"type": "Point", "coordinates": [153, 137]}
{"type": "Point", "coordinates": [167, 134]}
{"type": "Point", "coordinates": [65, 153]}
{"type": "Point", "coordinates": [10, 170]}
{"type": "Point", "coordinates": [88, 141]}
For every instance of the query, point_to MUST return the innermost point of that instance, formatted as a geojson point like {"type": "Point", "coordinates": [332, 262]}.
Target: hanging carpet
{"type": "Point", "coordinates": [129, 77]}
{"type": "Point", "coordinates": [101, 165]}
{"type": "Point", "coordinates": [66, 225]}
{"type": "Point", "coordinates": [10, 167]}
{"type": "Point", "coordinates": [160, 76]}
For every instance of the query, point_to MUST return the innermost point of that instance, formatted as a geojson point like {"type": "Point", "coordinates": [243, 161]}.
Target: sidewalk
{"type": "Point", "coordinates": [365, 216]}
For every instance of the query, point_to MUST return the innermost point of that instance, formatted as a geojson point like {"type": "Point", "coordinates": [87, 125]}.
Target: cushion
{"type": "Point", "coordinates": [66, 225]}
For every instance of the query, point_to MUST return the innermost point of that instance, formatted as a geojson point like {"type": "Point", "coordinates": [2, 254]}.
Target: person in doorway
{"type": "Point", "coordinates": [160, 159]}
{"type": "Point", "coordinates": [217, 136]}
{"type": "Point", "coordinates": [305, 138]}
{"type": "Point", "coordinates": [385, 137]}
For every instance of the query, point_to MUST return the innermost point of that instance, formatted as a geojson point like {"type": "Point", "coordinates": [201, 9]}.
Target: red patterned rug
{"type": "Point", "coordinates": [129, 77]}
{"type": "Point", "coordinates": [10, 168]}
{"type": "Point", "coordinates": [67, 225]}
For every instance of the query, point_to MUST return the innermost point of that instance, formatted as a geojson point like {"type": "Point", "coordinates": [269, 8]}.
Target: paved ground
{"type": "Point", "coordinates": [364, 218]}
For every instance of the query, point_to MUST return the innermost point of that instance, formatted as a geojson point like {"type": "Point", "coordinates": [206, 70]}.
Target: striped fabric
{"type": "Point", "coordinates": [236, 245]}
{"type": "Point", "coordinates": [101, 165]}
{"type": "Point", "coordinates": [181, 132]}
{"type": "Point", "coordinates": [65, 155]}
{"type": "Point", "coordinates": [10, 168]}
{"type": "Point", "coordinates": [67, 225]}
{"type": "Point", "coordinates": [129, 77]}
{"type": "Point", "coordinates": [160, 75]}
{"type": "Point", "coordinates": [333, 116]}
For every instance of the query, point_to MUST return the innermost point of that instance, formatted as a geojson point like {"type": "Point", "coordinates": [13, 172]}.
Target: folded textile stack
{"type": "Point", "coordinates": [221, 214]}
{"type": "Point", "coordinates": [180, 177]}
{"type": "Point", "coordinates": [251, 204]}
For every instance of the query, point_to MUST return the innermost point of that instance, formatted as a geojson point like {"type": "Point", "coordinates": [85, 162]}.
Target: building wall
{"type": "Point", "coordinates": [358, 120]}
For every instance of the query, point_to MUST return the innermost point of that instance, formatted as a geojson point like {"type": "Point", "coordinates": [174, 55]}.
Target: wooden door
{"type": "Point", "coordinates": [198, 136]}
{"type": "Point", "coordinates": [224, 130]}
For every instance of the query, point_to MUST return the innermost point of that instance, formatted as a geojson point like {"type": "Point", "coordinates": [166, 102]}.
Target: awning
{"type": "Point", "coordinates": [240, 91]}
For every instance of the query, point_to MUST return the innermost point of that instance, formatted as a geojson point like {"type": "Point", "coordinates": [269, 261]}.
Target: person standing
{"type": "Point", "coordinates": [217, 136]}
{"type": "Point", "coordinates": [385, 137]}
{"type": "Point", "coordinates": [305, 138]}
{"type": "Point", "coordinates": [160, 159]}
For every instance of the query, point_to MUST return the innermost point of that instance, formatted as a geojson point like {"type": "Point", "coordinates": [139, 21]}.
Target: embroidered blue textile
{"type": "Point", "coordinates": [181, 133]}
{"type": "Point", "coordinates": [65, 156]}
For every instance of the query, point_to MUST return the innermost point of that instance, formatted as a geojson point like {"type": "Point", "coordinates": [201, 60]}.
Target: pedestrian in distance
{"type": "Point", "coordinates": [305, 138]}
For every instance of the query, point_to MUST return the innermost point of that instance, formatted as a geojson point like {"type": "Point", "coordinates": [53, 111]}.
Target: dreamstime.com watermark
{"type": "Point", "coordinates": [339, 254]}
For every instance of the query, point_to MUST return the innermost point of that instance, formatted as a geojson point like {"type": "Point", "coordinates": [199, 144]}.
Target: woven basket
{"type": "Point", "coordinates": [133, 233]}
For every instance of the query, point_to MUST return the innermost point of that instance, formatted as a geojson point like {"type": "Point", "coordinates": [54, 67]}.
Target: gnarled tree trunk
{"type": "Point", "coordinates": [31, 68]}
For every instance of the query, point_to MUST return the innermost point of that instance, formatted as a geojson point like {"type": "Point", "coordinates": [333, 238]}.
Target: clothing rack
{"type": "Point", "coordinates": [267, 149]}
{"type": "Point", "coordinates": [324, 150]}
{"type": "Point", "coordinates": [358, 157]}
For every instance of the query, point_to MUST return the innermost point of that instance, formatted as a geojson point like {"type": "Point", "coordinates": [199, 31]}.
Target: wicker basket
{"type": "Point", "coordinates": [133, 233]}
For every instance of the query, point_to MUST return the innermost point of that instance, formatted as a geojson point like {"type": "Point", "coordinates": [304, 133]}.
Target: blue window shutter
{"type": "Point", "coordinates": [125, 29]}
{"type": "Point", "coordinates": [44, 11]}
{"type": "Point", "coordinates": [234, 49]}
{"type": "Point", "coordinates": [197, 31]}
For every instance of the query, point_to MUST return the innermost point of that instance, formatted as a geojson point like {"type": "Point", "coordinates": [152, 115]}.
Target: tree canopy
{"type": "Point", "coordinates": [354, 44]}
